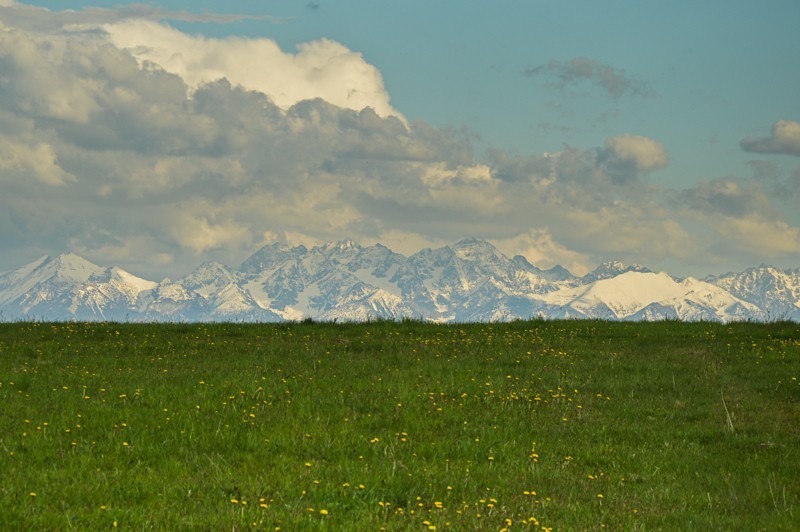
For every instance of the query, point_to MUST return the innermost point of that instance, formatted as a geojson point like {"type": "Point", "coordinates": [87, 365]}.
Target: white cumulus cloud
{"type": "Point", "coordinates": [642, 153]}
{"type": "Point", "coordinates": [35, 159]}
{"type": "Point", "coordinates": [320, 69]}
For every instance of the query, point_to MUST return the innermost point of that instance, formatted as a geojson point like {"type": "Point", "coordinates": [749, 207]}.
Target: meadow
{"type": "Point", "coordinates": [530, 425]}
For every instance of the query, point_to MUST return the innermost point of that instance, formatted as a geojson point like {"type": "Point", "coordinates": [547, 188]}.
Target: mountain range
{"type": "Point", "coordinates": [469, 281]}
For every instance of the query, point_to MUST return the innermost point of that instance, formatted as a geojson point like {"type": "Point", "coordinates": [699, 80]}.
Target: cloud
{"type": "Point", "coordinates": [785, 139]}
{"type": "Point", "coordinates": [642, 153]}
{"type": "Point", "coordinates": [33, 159]}
{"type": "Point", "coordinates": [613, 81]}
{"type": "Point", "coordinates": [320, 69]}
{"type": "Point", "coordinates": [758, 236]}
{"type": "Point", "coordinates": [627, 156]}
{"type": "Point", "coordinates": [732, 197]}
{"type": "Point", "coordinates": [744, 222]}
{"type": "Point", "coordinates": [200, 234]}
{"type": "Point", "coordinates": [540, 249]}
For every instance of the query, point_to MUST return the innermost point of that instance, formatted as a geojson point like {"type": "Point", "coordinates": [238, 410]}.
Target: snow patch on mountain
{"type": "Point", "coordinates": [137, 284]}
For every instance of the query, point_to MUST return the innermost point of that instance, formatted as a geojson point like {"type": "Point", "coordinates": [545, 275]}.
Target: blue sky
{"type": "Point", "coordinates": [571, 132]}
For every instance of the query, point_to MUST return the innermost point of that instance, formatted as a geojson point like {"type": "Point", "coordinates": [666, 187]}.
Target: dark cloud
{"type": "Point", "coordinates": [731, 197]}
{"type": "Point", "coordinates": [785, 139]}
{"type": "Point", "coordinates": [614, 81]}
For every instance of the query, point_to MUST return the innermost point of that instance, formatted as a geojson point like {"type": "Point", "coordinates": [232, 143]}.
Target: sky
{"type": "Point", "coordinates": [158, 136]}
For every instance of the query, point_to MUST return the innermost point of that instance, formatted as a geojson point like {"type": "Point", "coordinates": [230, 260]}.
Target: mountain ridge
{"type": "Point", "coordinates": [467, 281]}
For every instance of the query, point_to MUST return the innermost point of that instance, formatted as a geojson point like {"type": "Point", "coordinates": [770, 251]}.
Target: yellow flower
{"type": "Point", "coordinates": [323, 512]}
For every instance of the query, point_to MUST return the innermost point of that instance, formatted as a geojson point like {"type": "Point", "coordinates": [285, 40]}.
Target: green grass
{"type": "Point", "coordinates": [569, 425]}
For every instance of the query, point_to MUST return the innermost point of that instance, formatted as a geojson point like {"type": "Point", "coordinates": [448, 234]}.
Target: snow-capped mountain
{"type": "Point", "coordinates": [466, 281]}
{"type": "Point", "coordinates": [776, 292]}
{"type": "Point", "coordinates": [70, 287]}
{"type": "Point", "coordinates": [637, 294]}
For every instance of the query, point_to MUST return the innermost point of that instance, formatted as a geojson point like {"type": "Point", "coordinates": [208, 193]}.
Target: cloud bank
{"type": "Point", "coordinates": [131, 143]}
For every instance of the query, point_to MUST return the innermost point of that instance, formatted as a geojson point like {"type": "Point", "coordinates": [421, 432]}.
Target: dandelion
{"type": "Point", "coordinates": [323, 512]}
{"type": "Point", "coordinates": [33, 494]}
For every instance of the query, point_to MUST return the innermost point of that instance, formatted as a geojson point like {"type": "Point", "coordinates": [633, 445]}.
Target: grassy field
{"type": "Point", "coordinates": [574, 425]}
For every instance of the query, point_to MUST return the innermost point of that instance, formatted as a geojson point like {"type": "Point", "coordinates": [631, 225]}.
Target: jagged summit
{"type": "Point", "coordinates": [342, 245]}
{"type": "Point", "coordinates": [270, 255]}
{"type": "Point", "coordinates": [469, 280]}
{"type": "Point", "coordinates": [475, 250]}
{"type": "Point", "coordinates": [775, 291]}
{"type": "Point", "coordinates": [610, 269]}
{"type": "Point", "coordinates": [70, 267]}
